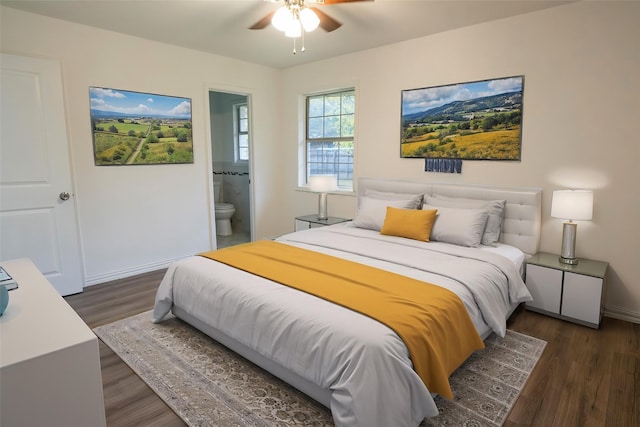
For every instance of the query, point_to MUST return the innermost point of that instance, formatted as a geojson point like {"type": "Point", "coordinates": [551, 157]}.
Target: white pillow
{"type": "Point", "coordinates": [463, 227]}
{"type": "Point", "coordinates": [371, 211]}
{"type": "Point", "coordinates": [417, 198]}
{"type": "Point", "coordinates": [492, 229]}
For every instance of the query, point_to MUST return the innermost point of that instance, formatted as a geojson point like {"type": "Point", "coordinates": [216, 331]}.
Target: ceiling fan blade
{"type": "Point", "coordinates": [327, 23]}
{"type": "Point", "coordinates": [263, 22]}
{"type": "Point", "coordinates": [340, 1]}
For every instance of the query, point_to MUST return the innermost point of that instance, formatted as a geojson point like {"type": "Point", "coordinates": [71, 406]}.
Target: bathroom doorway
{"type": "Point", "coordinates": [230, 115]}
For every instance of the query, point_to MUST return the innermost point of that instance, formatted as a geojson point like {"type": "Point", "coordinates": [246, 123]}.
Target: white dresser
{"type": "Point", "coordinates": [49, 358]}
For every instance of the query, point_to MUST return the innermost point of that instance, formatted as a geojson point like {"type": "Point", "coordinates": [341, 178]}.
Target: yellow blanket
{"type": "Point", "coordinates": [432, 321]}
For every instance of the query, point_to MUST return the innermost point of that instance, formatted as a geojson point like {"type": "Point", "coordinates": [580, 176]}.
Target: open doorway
{"type": "Point", "coordinates": [230, 136]}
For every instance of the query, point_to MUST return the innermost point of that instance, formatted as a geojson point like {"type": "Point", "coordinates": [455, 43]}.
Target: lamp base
{"type": "Point", "coordinates": [571, 261]}
{"type": "Point", "coordinates": [568, 251]}
{"type": "Point", "coordinates": [322, 206]}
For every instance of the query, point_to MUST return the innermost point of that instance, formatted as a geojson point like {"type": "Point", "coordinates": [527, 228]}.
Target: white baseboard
{"type": "Point", "coordinates": [622, 314]}
{"type": "Point", "coordinates": [121, 274]}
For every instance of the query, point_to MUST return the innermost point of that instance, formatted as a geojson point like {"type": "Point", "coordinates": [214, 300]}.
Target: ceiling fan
{"type": "Point", "coordinates": [294, 18]}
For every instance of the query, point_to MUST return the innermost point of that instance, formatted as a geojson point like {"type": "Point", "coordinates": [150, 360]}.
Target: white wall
{"type": "Point", "coordinates": [222, 125]}
{"type": "Point", "coordinates": [138, 218]}
{"type": "Point", "coordinates": [581, 64]}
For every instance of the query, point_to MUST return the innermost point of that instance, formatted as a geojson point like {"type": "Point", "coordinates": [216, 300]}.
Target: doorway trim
{"type": "Point", "coordinates": [248, 93]}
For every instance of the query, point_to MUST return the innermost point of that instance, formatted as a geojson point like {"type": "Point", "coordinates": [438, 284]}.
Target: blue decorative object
{"type": "Point", "coordinates": [442, 165]}
{"type": "Point", "coordinates": [4, 299]}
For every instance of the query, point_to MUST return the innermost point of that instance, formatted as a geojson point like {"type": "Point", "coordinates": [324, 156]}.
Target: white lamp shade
{"type": "Point", "coordinates": [309, 19]}
{"type": "Point", "coordinates": [282, 19]}
{"type": "Point", "coordinates": [323, 183]}
{"type": "Point", "coordinates": [572, 204]}
{"type": "Point", "coordinates": [294, 30]}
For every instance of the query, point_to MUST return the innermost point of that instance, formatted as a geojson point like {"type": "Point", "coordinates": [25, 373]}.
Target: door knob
{"type": "Point", "coordinates": [64, 196]}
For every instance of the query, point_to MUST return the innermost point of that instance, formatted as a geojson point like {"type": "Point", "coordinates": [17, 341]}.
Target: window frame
{"type": "Point", "coordinates": [306, 140]}
{"type": "Point", "coordinates": [237, 132]}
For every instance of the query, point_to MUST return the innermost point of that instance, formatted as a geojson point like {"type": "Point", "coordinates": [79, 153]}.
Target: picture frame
{"type": "Point", "coordinates": [139, 128]}
{"type": "Point", "coordinates": [478, 120]}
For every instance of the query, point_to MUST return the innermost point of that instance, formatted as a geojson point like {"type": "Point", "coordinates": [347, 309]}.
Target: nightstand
{"type": "Point", "coordinates": [312, 221]}
{"type": "Point", "coordinates": [569, 292]}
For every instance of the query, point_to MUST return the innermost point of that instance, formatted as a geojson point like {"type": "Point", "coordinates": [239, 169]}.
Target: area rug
{"type": "Point", "coordinates": [208, 385]}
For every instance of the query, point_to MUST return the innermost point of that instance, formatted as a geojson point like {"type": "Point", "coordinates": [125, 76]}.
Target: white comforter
{"type": "Point", "coordinates": [363, 363]}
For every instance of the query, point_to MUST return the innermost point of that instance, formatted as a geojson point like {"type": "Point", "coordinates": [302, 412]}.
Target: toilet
{"type": "Point", "coordinates": [224, 211]}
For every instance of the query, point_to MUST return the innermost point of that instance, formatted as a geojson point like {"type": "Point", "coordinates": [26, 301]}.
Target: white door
{"type": "Point", "coordinates": [37, 207]}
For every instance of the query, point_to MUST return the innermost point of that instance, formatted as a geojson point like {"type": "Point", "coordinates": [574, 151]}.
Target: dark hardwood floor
{"type": "Point", "coordinates": [585, 377]}
{"type": "Point", "coordinates": [128, 400]}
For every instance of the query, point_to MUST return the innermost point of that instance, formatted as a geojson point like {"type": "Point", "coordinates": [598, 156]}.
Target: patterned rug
{"type": "Point", "coordinates": [208, 385]}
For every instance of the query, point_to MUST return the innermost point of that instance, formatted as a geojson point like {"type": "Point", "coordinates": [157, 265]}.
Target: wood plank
{"type": "Point", "coordinates": [624, 393]}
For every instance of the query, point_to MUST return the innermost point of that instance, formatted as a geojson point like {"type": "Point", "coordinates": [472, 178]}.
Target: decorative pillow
{"type": "Point", "coordinates": [462, 227]}
{"type": "Point", "coordinates": [417, 198]}
{"type": "Point", "coordinates": [371, 211]}
{"type": "Point", "coordinates": [491, 232]}
{"type": "Point", "coordinates": [409, 223]}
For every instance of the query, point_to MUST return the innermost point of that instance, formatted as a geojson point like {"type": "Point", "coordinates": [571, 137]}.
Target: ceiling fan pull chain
{"type": "Point", "coordinates": [302, 35]}
{"type": "Point", "coordinates": [294, 46]}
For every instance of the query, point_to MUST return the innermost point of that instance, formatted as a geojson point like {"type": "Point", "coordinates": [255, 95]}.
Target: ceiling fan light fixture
{"type": "Point", "coordinates": [295, 19]}
{"type": "Point", "coordinates": [309, 19]}
{"type": "Point", "coordinates": [283, 19]}
{"type": "Point", "coordinates": [294, 30]}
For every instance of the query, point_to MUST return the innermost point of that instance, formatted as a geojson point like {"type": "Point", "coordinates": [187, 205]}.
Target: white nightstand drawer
{"type": "Point", "coordinates": [581, 298]}
{"type": "Point", "coordinates": [545, 285]}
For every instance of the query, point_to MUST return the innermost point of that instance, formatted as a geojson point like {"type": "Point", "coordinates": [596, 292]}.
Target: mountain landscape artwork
{"type": "Point", "coordinates": [135, 128]}
{"type": "Point", "coordinates": [479, 120]}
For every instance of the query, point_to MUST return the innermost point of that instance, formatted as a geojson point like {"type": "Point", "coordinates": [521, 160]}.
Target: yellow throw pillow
{"type": "Point", "coordinates": [409, 223]}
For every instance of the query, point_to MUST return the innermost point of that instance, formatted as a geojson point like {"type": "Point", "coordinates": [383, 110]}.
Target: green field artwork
{"type": "Point", "coordinates": [479, 120]}
{"type": "Point", "coordinates": [135, 128]}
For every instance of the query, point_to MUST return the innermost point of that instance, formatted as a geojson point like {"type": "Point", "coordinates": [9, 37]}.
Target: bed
{"type": "Point", "coordinates": [356, 366]}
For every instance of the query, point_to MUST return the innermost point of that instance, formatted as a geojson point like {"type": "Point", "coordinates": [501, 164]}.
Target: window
{"type": "Point", "coordinates": [329, 136]}
{"type": "Point", "coordinates": [241, 132]}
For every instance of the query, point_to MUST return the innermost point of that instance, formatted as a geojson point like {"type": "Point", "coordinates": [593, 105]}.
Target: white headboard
{"type": "Point", "coordinates": [522, 214]}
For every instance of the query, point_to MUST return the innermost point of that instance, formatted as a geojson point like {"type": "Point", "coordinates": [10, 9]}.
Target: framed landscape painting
{"type": "Point", "coordinates": [479, 120]}
{"type": "Point", "coordinates": [135, 128]}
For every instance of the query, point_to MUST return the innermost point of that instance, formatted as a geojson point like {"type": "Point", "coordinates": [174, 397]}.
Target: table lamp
{"type": "Point", "coordinates": [571, 205]}
{"type": "Point", "coordinates": [322, 184]}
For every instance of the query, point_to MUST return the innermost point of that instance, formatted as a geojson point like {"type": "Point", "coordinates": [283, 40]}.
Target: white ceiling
{"type": "Point", "coordinates": [221, 26]}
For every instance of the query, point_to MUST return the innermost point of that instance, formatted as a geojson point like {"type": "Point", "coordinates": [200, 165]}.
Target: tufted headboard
{"type": "Point", "coordinates": [522, 214]}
